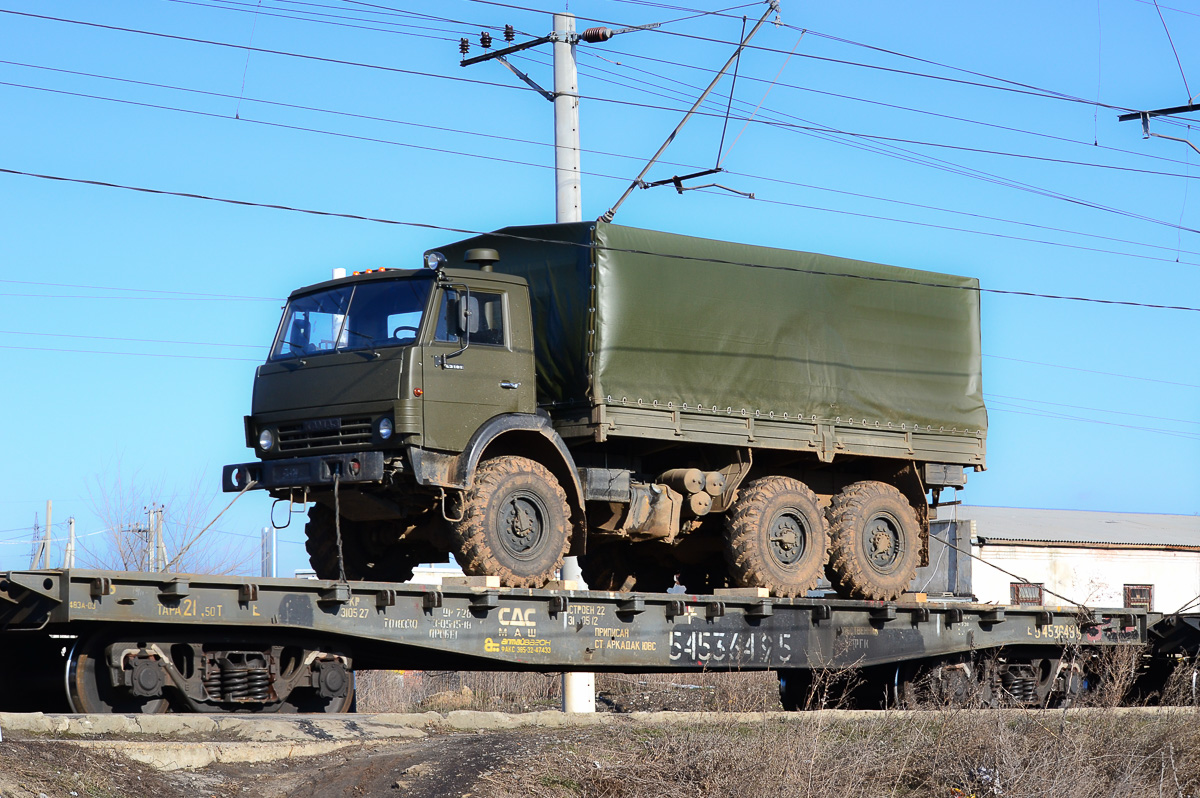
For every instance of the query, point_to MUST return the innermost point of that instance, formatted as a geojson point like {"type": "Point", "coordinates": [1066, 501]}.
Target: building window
{"type": "Point", "coordinates": [1139, 596]}
{"type": "Point", "coordinates": [1027, 593]}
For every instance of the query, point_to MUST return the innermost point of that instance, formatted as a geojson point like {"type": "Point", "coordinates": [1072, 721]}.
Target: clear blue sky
{"type": "Point", "coordinates": [1092, 406]}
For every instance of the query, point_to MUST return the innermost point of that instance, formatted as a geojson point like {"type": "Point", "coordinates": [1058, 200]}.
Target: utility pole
{"type": "Point", "coordinates": [565, 97]}
{"type": "Point", "coordinates": [160, 546]}
{"type": "Point", "coordinates": [578, 689]}
{"type": "Point", "coordinates": [69, 552]}
{"type": "Point", "coordinates": [567, 186]}
{"type": "Point", "coordinates": [41, 557]}
{"type": "Point", "coordinates": [268, 550]}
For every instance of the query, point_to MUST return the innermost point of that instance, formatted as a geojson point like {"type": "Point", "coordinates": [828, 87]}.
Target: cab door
{"type": "Point", "coordinates": [471, 370]}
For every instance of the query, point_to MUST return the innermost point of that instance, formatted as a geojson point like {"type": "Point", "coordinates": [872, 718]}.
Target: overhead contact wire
{"type": "Point", "coordinates": [513, 236]}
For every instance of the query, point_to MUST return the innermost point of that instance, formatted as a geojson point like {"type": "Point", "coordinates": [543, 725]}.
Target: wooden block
{"type": "Point", "coordinates": [470, 581]}
{"type": "Point", "coordinates": [562, 584]}
{"type": "Point", "coordinates": [913, 598]}
{"type": "Point", "coordinates": [743, 592]}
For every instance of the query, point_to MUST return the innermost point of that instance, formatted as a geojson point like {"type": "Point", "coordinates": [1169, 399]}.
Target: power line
{"type": "Point", "coordinates": [135, 340]}
{"type": "Point", "coordinates": [140, 290]}
{"type": "Point", "coordinates": [1064, 417]}
{"type": "Point", "coordinates": [821, 133]}
{"type": "Point", "coordinates": [943, 145]}
{"type": "Point", "coordinates": [214, 43]}
{"type": "Point", "coordinates": [270, 12]}
{"type": "Point", "coordinates": [171, 355]}
{"type": "Point", "coordinates": [1174, 51]}
{"type": "Point", "coordinates": [447, 151]}
{"type": "Point", "coordinates": [935, 226]}
{"type": "Point", "coordinates": [513, 236]}
{"type": "Point", "coordinates": [890, 150]}
{"type": "Point", "coordinates": [1015, 87]}
{"type": "Point", "coordinates": [853, 98]}
{"type": "Point", "coordinates": [1093, 409]}
{"type": "Point", "coordinates": [1092, 371]}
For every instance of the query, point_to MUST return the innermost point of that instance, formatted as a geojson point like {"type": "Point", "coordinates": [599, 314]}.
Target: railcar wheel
{"type": "Point", "coordinates": [777, 537]}
{"type": "Point", "coordinates": [514, 523]}
{"type": "Point", "coordinates": [876, 542]}
{"type": "Point", "coordinates": [90, 687]}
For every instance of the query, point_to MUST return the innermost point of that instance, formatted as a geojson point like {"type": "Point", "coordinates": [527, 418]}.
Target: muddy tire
{"type": "Point", "coordinates": [622, 566]}
{"type": "Point", "coordinates": [777, 537]}
{"type": "Point", "coordinates": [363, 561]}
{"type": "Point", "coordinates": [876, 542]}
{"type": "Point", "coordinates": [515, 523]}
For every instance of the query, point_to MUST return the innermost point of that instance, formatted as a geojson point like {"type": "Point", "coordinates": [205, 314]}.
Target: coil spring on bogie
{"type": "Point", "coordinates": [235, 682]}
{"type": "Point", "coordinates": [258, 686]}
{"type": "Point", "coordinates": [212, 684]}
{"type": "Point", "coordinates": [1023, 689]}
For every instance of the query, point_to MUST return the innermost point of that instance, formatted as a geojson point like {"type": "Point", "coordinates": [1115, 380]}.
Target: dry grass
{"type": "Point", "coordinates": [1095, 750]}
{"type": "Point", "coordinates": [939, 753]}
{"type": "Point", "coordinates": [442, 691]}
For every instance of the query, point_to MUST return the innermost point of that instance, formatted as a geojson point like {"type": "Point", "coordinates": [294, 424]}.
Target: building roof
{"type": "Point", "coordinates": [1078, 527]}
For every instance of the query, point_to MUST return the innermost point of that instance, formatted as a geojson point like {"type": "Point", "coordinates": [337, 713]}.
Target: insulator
{"type": "Point", "coordinates": [596, 35]}
{"type": "Point", "coordinates": [509, 34]}
{"type": "Point", "coordinates": [485, 40]}
{"type": "Point", "coordinates": [464, 46]}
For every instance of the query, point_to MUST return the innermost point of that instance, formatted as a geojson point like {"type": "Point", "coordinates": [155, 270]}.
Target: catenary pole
{"type": "Point", "coordinates": [578, 689]}
{"type": "Point", "coordinates": [69, 552]}
{"type": "Point", "coordinates": [566, 122]}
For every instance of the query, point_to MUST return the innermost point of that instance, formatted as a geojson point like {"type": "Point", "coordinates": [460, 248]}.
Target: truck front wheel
{"type": "Point", "coordinates": [365, 558]}
{"type": "Point", "coordinates": [876, 542]}
{"type": "Point", "coordinates": [515, 523]}
{"type": "Point", "coordinates": [777, 537]}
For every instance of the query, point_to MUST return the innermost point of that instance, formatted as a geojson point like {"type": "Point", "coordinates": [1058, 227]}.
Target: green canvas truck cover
{"type": "Point", "coordinates": [624, 315]}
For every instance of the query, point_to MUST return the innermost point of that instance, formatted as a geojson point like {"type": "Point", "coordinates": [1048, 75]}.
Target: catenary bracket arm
{"type": "Point", "coordinates": [549, 95]}
{"type": "Point", "coordinates": [772, 6]}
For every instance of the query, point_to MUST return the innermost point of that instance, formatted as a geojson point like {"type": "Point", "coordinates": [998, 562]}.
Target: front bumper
{"type": "Point", "coordinates": [304, 472]}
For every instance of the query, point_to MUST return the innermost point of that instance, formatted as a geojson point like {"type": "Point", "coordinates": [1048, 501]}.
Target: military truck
{"type": "Point", "coordinates": [666, 408]}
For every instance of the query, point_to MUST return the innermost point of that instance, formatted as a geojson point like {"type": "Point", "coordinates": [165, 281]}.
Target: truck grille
{"type": "Point", "coordinates": [348, 432]}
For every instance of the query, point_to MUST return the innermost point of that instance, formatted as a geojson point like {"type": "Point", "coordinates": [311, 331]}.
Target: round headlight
{"type": "Point", "coordinates": [434, 260]}
{"type": "Point", "coordinates": [266, 440]}
{"type": "Point", "coordinates": [385, 428]}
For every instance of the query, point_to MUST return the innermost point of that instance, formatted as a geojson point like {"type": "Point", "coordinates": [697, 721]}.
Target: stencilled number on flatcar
{"type": "Point", "coordinates": [766, 648]}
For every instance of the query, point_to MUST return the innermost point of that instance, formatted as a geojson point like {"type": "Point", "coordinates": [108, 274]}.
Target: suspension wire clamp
{"type": "Point", "coordinates": [1144, 116]}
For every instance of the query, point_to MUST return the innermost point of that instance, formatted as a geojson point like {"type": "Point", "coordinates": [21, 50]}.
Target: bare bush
{"type": "Point", "coordinates": [126, 506]}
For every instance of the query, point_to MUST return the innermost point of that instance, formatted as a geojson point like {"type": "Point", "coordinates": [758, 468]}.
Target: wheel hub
{"type": "Point", "coordinates": [883, 543]}
{"type": "Point", "coordinates": [787, 537]}
{"type": "Point", "coordinates": [522, 524]}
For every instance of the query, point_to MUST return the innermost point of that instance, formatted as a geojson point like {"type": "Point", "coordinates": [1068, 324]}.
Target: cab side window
{"type": "Point", "coordinates": [485, 315]}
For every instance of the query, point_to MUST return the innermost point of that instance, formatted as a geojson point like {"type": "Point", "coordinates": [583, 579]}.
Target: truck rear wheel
{"type": "Point", "coordinates": [777, 537]}
{"type": "Point", "coordinates": [514, 523]}
{"type": "Point", "coordinates": [363, 560]}
{"type": "Point", "coordinates": [876, 542]}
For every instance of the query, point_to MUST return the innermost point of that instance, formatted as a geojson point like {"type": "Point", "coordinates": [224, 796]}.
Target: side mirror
{"type": "Point", "coordinates": [468, 315]}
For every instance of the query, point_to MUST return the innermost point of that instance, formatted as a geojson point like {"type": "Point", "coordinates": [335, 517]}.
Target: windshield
{"type": "Point", "coordinates": [360, 316]}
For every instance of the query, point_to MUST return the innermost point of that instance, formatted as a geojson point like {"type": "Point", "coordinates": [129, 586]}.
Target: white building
{"type": "Point", "coordinates": [1092, 558]}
